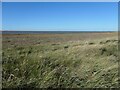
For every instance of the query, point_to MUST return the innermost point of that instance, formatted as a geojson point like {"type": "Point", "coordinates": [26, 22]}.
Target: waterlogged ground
{"type": "Point", "coordinates": [75, 60]}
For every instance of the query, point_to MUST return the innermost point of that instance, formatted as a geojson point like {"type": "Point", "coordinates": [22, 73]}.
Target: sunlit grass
{"type": "Point", "coordinates": [84, 63]}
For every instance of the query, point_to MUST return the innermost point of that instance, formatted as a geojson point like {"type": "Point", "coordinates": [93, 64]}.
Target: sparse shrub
{"type": "Point", "coordinates": [90, 43]}
{"type": "Point", "coordinates": [108, 41]}
{"type": "Point", "coordinates": [3, 53]}
{"type": "Point", "coordinates": [38, 42]}
{"type": "Point", "coordinates": [103, 50]}
{"type": "Point", "coordinates": [66, 46]}
{"type": "Point", "coordinates": [101, 42]}
{"type": "Point", "coordinates": [29, 51]}
{"type": "Point", "coordinates": [118, 41]}
{"type": "Point", "coordinates": [54, 49]}
{"type": "Point", "coordinates": [8, 41]}
{"type": "Point", "coordinates": [114, 40]}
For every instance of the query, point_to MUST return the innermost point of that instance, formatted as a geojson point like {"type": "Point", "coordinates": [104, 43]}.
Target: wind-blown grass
{"type": "Point", "coordinates": [71, 64]}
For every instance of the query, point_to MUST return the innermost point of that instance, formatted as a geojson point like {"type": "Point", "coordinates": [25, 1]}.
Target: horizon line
{"type": "Point", "coordinates": [60, 1]}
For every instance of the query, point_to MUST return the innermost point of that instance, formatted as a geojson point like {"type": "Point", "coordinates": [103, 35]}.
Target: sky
{"type": "Point", "coordinates": [0, 16]}
{"type": "Point", "coordinates": [60, 16]}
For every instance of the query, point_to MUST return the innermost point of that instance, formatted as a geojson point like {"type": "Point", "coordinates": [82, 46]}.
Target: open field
{"type": "Point", "coordinates": [70, 60]}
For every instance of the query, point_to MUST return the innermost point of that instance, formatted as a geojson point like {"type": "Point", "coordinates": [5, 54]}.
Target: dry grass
{"type": "Point", "coordinates": [61, 60]}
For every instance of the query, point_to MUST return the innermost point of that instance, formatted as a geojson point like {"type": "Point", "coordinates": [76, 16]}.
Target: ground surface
{"type": "Point", "coordinates": [60, 60]}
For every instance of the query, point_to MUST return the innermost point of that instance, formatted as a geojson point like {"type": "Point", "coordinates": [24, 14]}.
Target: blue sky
{"type": "Point", "coordinates": [60, 16]}
{"type": "Point", "coordinates": [0, 16]}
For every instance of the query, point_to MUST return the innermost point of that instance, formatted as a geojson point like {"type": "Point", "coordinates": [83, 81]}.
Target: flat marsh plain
{"type": "Point", "coordinates": [67, 60]}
